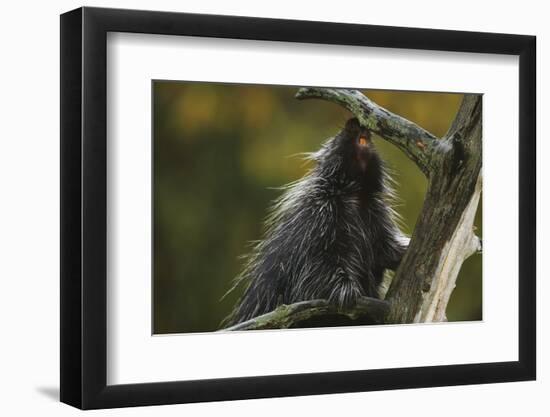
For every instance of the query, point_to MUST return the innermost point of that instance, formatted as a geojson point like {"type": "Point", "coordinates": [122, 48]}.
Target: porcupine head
{"type": "Point", "coordinates": [329, 236]}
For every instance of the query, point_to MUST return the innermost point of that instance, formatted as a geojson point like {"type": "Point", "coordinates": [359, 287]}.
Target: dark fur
{"type": "Point", "coordinates": [330, 236]}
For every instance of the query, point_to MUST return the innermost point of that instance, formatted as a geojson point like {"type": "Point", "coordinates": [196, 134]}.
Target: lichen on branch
{"type": "Point", "coordinates": [295, 315]}
{"type": "Point", "coordinates": [417, 143]}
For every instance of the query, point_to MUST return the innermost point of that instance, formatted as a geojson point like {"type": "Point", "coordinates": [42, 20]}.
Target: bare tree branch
{"type": "Point", "coordinates": [417, 143]}
{"type": "Point", "coordinates": [287, 316]}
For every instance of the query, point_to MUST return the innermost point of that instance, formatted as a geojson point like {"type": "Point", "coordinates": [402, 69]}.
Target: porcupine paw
{"type": "Point", "coordinates": [345, 290]}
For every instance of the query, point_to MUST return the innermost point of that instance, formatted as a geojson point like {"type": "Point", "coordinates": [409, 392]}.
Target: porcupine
{"type": "Point", "coordinates": [331, 235]}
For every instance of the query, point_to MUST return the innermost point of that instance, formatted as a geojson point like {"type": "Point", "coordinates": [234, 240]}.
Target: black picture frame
{"type": "Point", "coordinates": [84, 197]}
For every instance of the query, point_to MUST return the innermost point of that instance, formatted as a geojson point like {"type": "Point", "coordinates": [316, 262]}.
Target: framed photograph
{"type": "Point", "coordinates": [258, 208]}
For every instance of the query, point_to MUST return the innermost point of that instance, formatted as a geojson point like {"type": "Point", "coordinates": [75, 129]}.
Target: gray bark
{"type": "Point", "coordinates": [288, 316]}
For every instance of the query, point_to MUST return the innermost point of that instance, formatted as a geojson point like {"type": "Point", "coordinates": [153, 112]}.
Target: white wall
{"type": "Point", "coordinates": [29, 176]}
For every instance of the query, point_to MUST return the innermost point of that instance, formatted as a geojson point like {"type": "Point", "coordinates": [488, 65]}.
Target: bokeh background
{"type": "Point", "coordinates": [220, 151]}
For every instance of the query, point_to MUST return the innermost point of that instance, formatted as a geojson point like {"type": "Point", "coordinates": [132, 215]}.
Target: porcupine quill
{"type": "Point", "coordinates": [331, 235]}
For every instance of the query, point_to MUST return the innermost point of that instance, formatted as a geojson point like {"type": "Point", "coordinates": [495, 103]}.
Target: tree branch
{"type": "Point", "coordinates": [418, 144]}
{"type": "Point", "coordinates": [288, 316]}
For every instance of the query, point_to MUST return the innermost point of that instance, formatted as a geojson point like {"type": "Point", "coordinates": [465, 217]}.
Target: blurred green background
{"type": "Point", "coordinates": [219, 151]}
